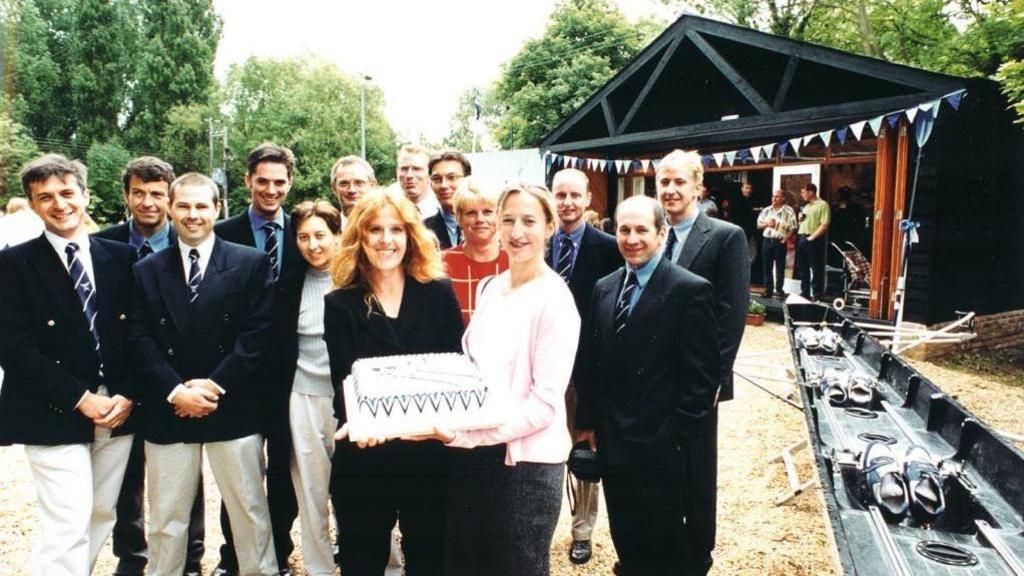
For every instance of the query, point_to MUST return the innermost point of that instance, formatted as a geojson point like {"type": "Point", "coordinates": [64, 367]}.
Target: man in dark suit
{"type": "Point", "coordinates": [716, 251]}
{"type": "Point", "coordinates": [266, 227]}
{"type": "Point", "coordinates": [581, 254]}
{"type": "Point", "coordinates": [67, 390]}
{"type": "Point", "coordinates": [446, 170]}
{"type": "Point", "coordinates": [200, 328]}
{"type": "Point", "coordinates": [646, 381]}
{"type": "Point", "coordinates": [145, 181]}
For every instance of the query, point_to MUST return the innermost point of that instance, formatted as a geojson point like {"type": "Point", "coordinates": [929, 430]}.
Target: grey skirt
{"type": "Point", "coordinates": [501, 519]}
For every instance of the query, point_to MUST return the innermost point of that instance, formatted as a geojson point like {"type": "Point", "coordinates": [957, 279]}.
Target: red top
{"type": "Point", "coordinates": [466, 274]}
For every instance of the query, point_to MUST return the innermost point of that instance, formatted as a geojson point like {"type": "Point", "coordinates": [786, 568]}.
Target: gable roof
{"type": "Point", "coordinates": [676, 91]}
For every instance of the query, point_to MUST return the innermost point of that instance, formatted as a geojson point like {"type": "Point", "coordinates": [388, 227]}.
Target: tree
{"type": "Point", "coordinates": [184, 138]}
{"type": "Point", "coordinates": [1011, 72]}
{"type": "Point", "coordinates": [584, 44]}
{"type": "Point", "coordinates": [310, 106]}
{"type": "Point", "coordinates": [466, 131]}
{"type": "Point", "coordinates": [106, 160]}
{"type": "Point", "coordinates": [16, 148]}
{"type": "Point", "coordinates": [174, 63]}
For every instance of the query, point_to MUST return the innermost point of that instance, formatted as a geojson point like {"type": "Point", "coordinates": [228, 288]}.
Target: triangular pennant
{"type": "Point", "coordinates": [755, 153]}
{"type": "Point", "coordinates": [936, 104]}
{"type": "Point", "coordinates": [370, 403]}
{"type": "Point", "coordinates": [619, 166]}
{"type": "Point", "coordinates": [841, 134]}
{"type": "Point", "coordinates": [795, 143]}
{"type": "Point", "coordinates": [876, 125]}
{"type": "Point", "coordinates": [644, 164]}
{"type": "Point", "coordinates": [707, 161]}
{"type": "Point", "coordinates": [449, 397]}
{"type": "Point", "coordinates": [807, 139]}
{"type": "Point", "coordinates": [923, 127]}
{"type": "Point", "coordinates": [387, 402]}
{"type": "Point", "coordinates": [420, 400]}
{"type": "Point", "coordinates": [743, 156]}
{"type": "Point", "coordinates": [718, 156]}
{"type": "Point", "coordinates": [954, 99]}
{"type": "Point", "coordinates": [769, 149]}
{"type": "Point", "coordinates": [730, 157]}
{"type": "Point", "coordinates": [911, 114]}
{"type": "Point", "coordinates": [403, 402]}
{"type": "Point", "coordinates": [656, 162]}
{"type": "Point", "coordinates": [783, 147]}
{"type": "Point", "coordinates": [858, 128]}
{"type": "Point", "coordinates": [826, 137]}
{"type": "Point", "coordinates": [465, 396]}
{"type": "Point", "coordinates": [435, 400]}
{"type": "Point", "coordinates": [602, 164]}
{"type": "Point", "coordinates": [480, 396]}
{"type": "Point", "coordinates": [893, 120]}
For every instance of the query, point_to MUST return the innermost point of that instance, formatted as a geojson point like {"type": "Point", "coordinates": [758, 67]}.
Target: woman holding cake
{"type": "Point", "coordinates": [391, 298]}
{"type": "Point", "coordinates": [480, 254]}
{"type": "Point", "coordinates": [523, 335]}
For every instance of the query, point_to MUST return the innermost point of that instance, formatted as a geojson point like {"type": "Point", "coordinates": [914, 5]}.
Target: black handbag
{"type": "Point", "coordinates": [584, 466]}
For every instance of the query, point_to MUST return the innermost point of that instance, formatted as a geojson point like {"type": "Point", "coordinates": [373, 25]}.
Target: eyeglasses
{"type": "Point", "coordinates": [449, 177]}
{"type": "Point", "coordinates": [346, 184]}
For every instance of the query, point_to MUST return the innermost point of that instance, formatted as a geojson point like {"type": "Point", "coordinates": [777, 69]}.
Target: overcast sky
{"type": "Point", "coordinates": [422, 54]}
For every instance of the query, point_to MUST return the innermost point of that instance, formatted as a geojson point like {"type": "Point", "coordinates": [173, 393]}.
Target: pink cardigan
{"type": "Point", "coordinates": [525, 339]}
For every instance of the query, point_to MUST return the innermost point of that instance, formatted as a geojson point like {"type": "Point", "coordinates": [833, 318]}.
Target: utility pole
{"type": "Point", "coordinates": [362, 113]}
{"type": "Point", "coordinates": [220, 175]}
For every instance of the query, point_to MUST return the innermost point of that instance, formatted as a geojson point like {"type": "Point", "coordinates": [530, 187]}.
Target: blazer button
{"type": "Point", "coordinates": [163, 321]}
{"type": "Point", "coordinates": [123, 317]}
{"type": "Point", "coordinates": [639, 371]}
{"type": "Point", "coordinates": [170, 351]}
{"type": "Point", "coordinates": [227, 317]}
{"type": "Point", "coordinates": [58, 361]}
{"type": "Point", "coordinates": [51, 323]}
{"type": "Point", "coordinates": [220, 349]}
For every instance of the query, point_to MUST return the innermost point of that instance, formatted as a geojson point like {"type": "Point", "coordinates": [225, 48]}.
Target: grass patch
{"type": "Point", "coordinates": [1005, 366]}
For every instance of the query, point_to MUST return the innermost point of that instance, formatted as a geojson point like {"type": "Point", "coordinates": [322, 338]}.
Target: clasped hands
{"type": "Point", "coordinates": [197, 399]}
{"type": "Point", "coordinates": [441, 434]}
{"type": "Point", "coordinates": [107, 412]}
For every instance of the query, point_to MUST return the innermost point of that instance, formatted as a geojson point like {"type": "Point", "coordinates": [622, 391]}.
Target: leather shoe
{"type": "Point", "coordinates": [617, 568]}
{"type": "Point", "coordinates": [579, 552]}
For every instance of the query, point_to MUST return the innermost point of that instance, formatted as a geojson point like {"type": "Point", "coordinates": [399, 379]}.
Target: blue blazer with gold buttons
{"type": "Point", "coordinates": [46, 350]}
{"type": "Point", "coordinates": [222, 336]}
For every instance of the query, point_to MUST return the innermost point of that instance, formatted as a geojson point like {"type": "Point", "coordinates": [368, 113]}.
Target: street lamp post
{"type": "Point", "coordinates": [362, 113]}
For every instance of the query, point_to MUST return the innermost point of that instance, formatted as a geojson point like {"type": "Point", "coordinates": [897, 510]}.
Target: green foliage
{"type": "Point", "coordinates": [310, 106]}
{"type": "Point", "coordinates": [16, 148]}
{"type": "Point", "coordinates": [185, 138]}
{"type": "Point", "coordinates": [106, 161]}
{"type": "Point", "coordinates": [585, 43]}
{"type": "Point", "coordinates": [1011, 72]}
{"type": "Point", "coordinates": [755, 308]}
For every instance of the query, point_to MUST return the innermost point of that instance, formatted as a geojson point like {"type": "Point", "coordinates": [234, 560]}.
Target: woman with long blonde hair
{"type": "Point", "coordinates": [391, 298]}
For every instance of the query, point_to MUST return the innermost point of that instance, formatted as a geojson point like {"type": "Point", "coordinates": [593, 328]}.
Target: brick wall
{"type": "Point", "coordinates": [995, 331]}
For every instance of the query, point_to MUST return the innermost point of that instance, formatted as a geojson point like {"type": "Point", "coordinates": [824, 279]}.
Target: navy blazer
{"type": "Point", "coordinates": [238, 229]}
{"type": "Point", "coordinates": [717, 251]}
{"type": "Point", "coordinates": [46, 350]}
{"type": "Point", "coordinates": [223, 336]}
{"type": "Point", "coordinates": [122, 233]}
{"type": "Point", "coordinates": [436, 225]}
{"type": "Point", "coordinates": [647, 390]}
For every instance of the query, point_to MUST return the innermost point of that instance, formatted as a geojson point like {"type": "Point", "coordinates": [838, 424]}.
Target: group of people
{"type": "Point", "coordinates": [129, 353]}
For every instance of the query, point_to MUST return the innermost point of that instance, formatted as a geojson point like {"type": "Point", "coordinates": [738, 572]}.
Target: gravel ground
{"type": "Point", "coordinates": [755, 537]}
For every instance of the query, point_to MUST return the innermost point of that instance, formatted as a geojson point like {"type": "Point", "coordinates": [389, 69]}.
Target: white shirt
{"type": "Point", "coordinates": [59, 243]}
{"type": "Point", "coordinates": [205, 250]}
{"type": "Point", "coordinates": [428, 205]}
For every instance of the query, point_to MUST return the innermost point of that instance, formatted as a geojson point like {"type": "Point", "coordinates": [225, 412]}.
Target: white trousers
{"type": "Point", "coordinates": [238, 467]}
{"type": "Point", "coordinates": [76, 487]}
{"type": "Point", "coordinates": [313, 425]}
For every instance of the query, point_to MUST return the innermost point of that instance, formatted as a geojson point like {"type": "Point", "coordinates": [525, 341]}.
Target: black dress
{"type": "Point", "coordinates": [407, 481]}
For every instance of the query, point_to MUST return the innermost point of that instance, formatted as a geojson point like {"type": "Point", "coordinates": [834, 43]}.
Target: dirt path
{"type": "Point", "coordinates": [755, 537]}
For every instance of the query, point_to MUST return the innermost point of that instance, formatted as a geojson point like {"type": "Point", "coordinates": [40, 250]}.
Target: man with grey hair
{"type": "Point", "coordinates": [411, 168]}
{"type": "Point", "coordinates": [716, 251]}
{"type": "Point", "coordinates": [351, 177]}
{"type": "Point", "coordinates": [581, 254]}
{"type": "Point", "coordinates": [646, 381]}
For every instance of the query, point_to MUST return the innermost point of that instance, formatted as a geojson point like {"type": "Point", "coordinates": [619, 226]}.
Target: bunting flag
{"type": "Point", "coordinates": [921, 116]}
{"type": "Point", "coordinates": [876, 125]}
{"type": "Point", "coordinates": [858, 128]}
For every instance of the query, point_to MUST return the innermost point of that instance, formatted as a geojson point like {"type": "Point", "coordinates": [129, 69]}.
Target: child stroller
{"type": "Point", "coordinates": [856, 275]}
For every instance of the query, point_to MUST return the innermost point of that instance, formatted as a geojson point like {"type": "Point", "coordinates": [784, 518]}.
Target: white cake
{"type": "Point", "coordinates": [395, 396]}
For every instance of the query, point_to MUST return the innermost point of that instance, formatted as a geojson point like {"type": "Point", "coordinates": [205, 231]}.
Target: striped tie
{"type": "Point", "coordinates": [145, 250]}
{"type": "Point", "coordinates": [564, 265]}
{"type": "Point", "coordinates": [622, 306]}
{"type": "Point", "coordinates": [84, 289]}
{"type": "Point", "coordinates": [270, 229]}
{"type": "Point", "coordinates": [195, 276]}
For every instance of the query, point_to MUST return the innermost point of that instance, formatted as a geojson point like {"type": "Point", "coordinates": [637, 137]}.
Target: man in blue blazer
{"type": "Point", "coordinates": [581, 254]}
{"type": "Point", "coordinates": [716, 251]}
{"type": "Point", "coordinates": [67, 391]}
{"type": "Point", "coordinates": [200, 328]}
{"type": "Point", "coordinates": [646, 382]}
{"type": "Point", "coordinates": [264, 225]}
{"type": "Point", "coordinates": [145, 182]}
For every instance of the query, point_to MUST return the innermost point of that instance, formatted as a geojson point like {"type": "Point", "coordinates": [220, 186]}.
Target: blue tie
{"type": "Point", "coordinates": [84, 288]}
{"type": "Point", "coordinates": [564, 265]}
{"type": "Point", "coordinates": [270, 229]}
{"type": "Point", "coordinates": [195, 276]}
{"type": "Point", "coordinates": [670, 243]}
{"type": "Point", "coordinates": [622, 306]}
